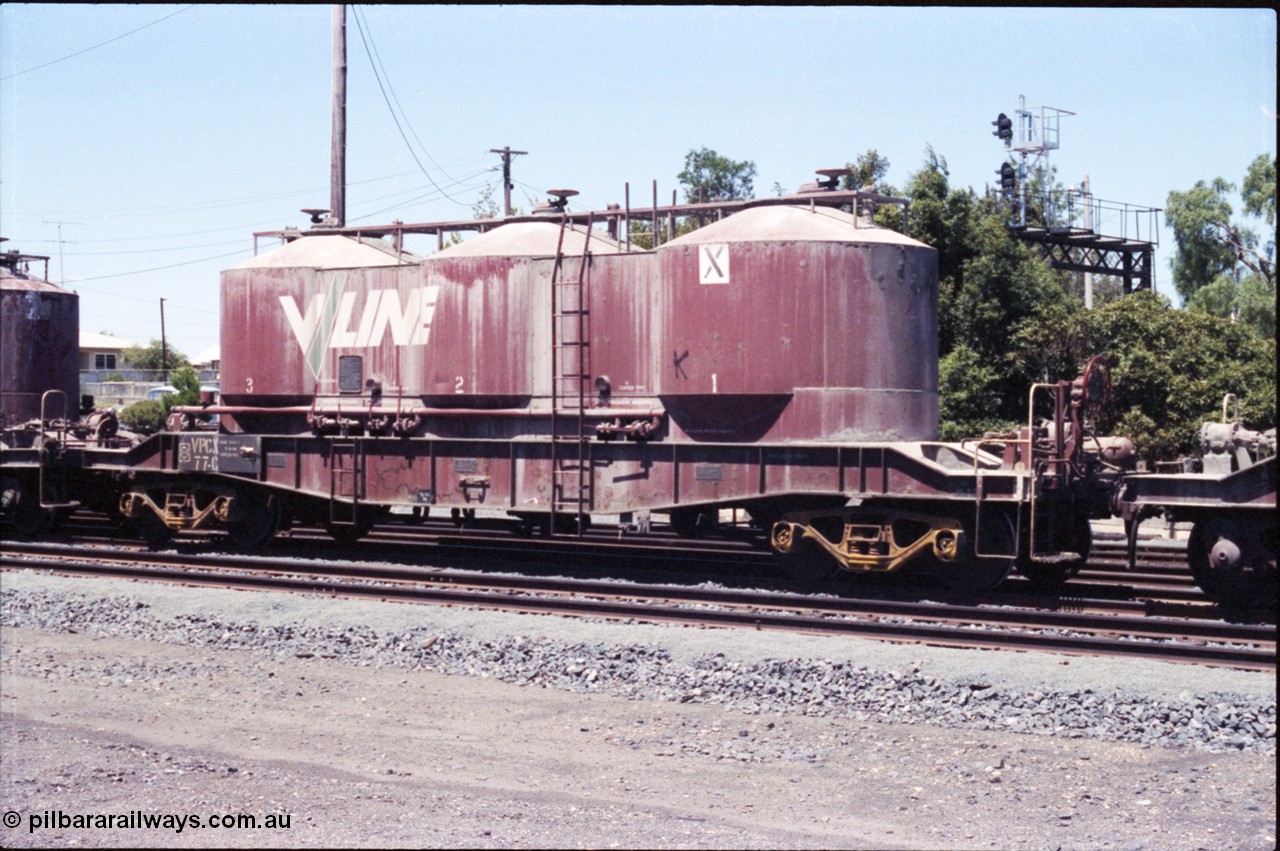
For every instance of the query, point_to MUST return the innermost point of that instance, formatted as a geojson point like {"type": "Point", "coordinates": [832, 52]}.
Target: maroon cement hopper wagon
{"type": "Point", "coordinates": [39, 343]}
{"type": "Point", "coordinates": [780, 360]}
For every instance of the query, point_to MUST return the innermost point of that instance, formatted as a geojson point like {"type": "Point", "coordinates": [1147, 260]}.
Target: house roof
{"type": "Point", "coordinates": [103, 342]}
{"type": "Point", "coordinates": [209, 355]}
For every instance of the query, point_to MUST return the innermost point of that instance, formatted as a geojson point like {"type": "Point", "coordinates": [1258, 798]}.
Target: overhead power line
{"type": "Point", "coordinates": [365, 39]}
{"type": "Point", "coordinates": [96, 46]}
{"type": "Point", "coordinates": [423, 197]}
{"type": "Point", "coordinates": [360, 20]}
{"type": "Point", "coordinates": [132, 251]}
{"type": "Point", "coordinates": [162, 268]}
{"type": "Point", "coordinates": [203, 205]}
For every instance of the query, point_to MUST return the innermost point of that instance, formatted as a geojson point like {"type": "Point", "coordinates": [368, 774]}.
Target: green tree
{"type": "Point", "coordinates": [187, 382]}
{"type": "Point", "coordinates": [151, 356]}
{"type": "Point", "coordinates": [1197, 217]}
{"type": "Point", "coordinates": [1250, 300]}
{"type": "Point", "coordinates": [710, 176]}
{"type": "Point", "coordinates": [1260, 189]}
{"type": "Point", "coordinates": [1221, 266]}
{"type": "Point", "coordinates": [485, 206]}
{"type": "Point", "coordinates": [707, 176]}
{"type": "Point", "coordinates": [145, 417]}
{"type": "Point", "coordinates": [869, 171]}
{"type": "Point", "coordinates": [1007, 320]}
{"type": "Point", "coordinates": [150, 415]}
{"type": "Point", "coordinates": [989, 284]}
{"type": "Point", "coordinates": [1169, 368]}
{"type": "Point", "coordinates": [969, 395]}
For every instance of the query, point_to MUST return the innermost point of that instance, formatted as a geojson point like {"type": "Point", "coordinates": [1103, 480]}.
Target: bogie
{"type": "Point", "coordinates": [1233, 560]}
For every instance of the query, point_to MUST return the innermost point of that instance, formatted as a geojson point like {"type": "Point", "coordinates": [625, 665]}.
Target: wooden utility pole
{"type": "Point", "coordinates": [338, 153]}
{"type": "Point", "coordinates": [507, 154]}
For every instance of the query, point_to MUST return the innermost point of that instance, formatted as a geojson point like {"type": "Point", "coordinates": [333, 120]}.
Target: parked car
{"type": "Point", "coordinates": [209, 421]}
{"type": "Point", "coordinates": [162, 390]}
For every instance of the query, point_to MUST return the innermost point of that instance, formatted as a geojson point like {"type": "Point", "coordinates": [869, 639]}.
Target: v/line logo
{"type": "Point", "coordinates": [327, 323]}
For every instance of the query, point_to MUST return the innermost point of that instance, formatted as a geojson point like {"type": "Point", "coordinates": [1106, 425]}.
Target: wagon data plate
{"type": "Point", "coordinates": [220, 453]}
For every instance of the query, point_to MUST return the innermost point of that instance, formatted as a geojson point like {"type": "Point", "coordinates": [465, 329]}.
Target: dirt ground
{"type": "Point", "coordinates": [388, 757]}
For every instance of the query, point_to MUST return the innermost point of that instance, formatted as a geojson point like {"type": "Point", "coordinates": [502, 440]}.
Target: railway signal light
{"type": "Point", "coordinates": [1004, 128]}
{"type": "Point", "coordinates": [1008, 179]}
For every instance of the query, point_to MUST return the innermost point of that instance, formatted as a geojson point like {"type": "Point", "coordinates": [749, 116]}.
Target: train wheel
{"type": "Point", "coordinates": [153, 530]}
{"type": "Point", "coordinates": [528, 525]}
{"type": "Point", "coordinates": [799, 557]}
{"type": "Point", "coordinates": [349, 533]}
{"type": "Point", "coordinates": [1234, 562]}
{"type": "Point", "coordinates": [126, 526]}
{"type": "Point", "coordinates": [692, 522]}
{"type": "Point", "coordinates": [807, 562]}
{"type": "Point", "coordinates": [259, 517]}
{"type": "Point", "coordinates": [1073, 534]}
{"type": "Point", "coordinates": [28, 518]}
{"type": "Point", "coordinates": [974, 574]}
{"type": "Point", "coordinates": [568, 524]}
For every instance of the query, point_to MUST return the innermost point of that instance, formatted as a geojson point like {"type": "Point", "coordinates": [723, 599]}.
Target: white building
{"type": "Point", "coordinates": [101, 352]}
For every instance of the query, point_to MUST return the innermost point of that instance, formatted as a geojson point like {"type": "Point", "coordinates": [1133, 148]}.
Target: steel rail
{"type": "Point", "coordinates": [1158, 620]}
{"type": "Point", "coordinates": [735, 551]}
{"type": "Point", "coordinates": [1122, 592]}
{"type": "Point", "coordinates": [1138, 620]}
{"type": "Point", "coordinates": [916, 622]}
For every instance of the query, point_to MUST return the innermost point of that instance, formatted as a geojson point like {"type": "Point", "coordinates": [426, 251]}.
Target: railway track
{"type": "Point", "coordinates": [1078, 625]}
{"type": "Point", "coordinates": [737, 557]}
{"type": "Point", "coordinates": [1159, 562]}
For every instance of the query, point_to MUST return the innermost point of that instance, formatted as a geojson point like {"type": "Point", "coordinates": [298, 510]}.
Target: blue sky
{"type": "Point", "coordinates": [162, 141]}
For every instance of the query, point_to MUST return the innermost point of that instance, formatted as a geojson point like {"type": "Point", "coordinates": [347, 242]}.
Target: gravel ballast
{"type": "Point", "coordinates": [366, 724]}
{"type": "Point", "coordinates": [1151, 703]}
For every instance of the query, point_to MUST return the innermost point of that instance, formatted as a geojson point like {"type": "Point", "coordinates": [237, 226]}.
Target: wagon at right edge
{"type": "Point", "coordinates": [1231, 504]}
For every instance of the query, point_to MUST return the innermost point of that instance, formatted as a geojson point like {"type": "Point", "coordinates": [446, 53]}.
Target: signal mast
{"type": "Point", "coordinates": [1069, 236]}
